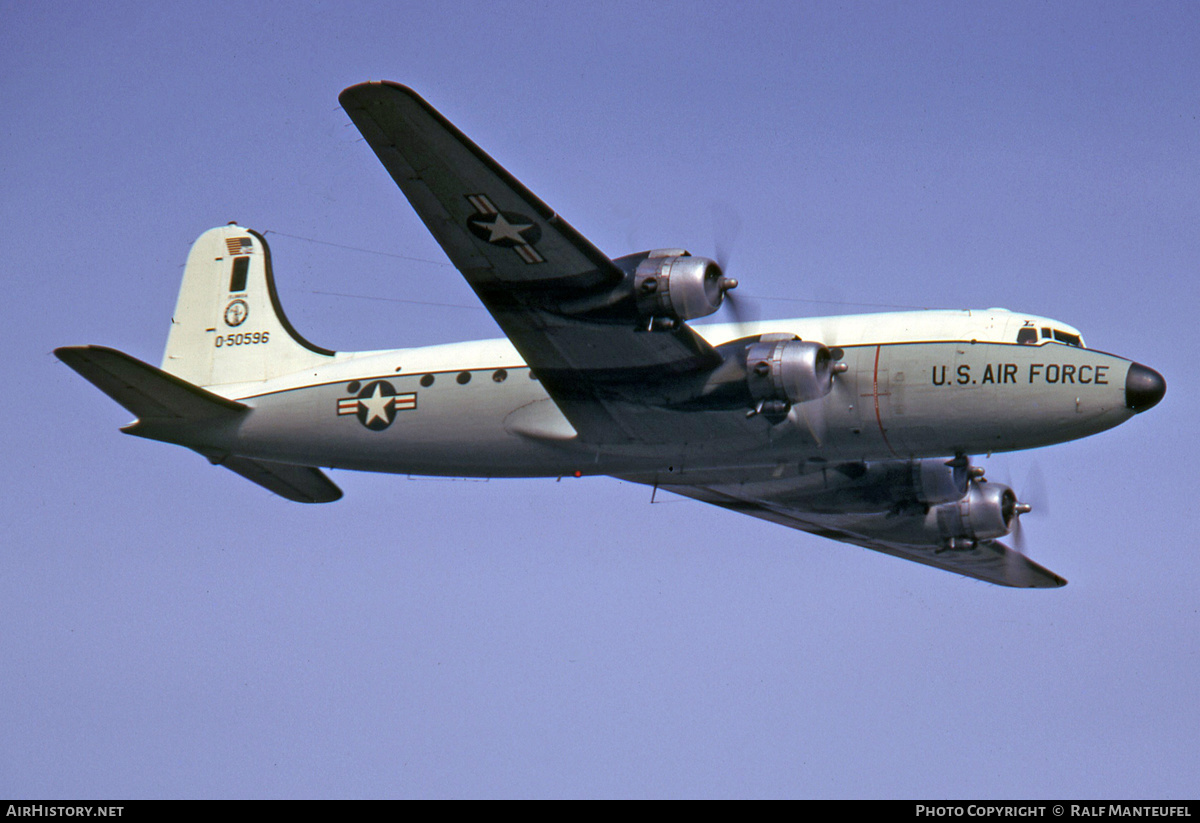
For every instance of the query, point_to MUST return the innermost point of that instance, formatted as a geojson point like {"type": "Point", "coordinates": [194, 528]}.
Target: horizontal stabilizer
{"type": "Point", "coordinates": [149, 393]}
{"type": "Point", "coordinates": [169, 408]}
{"type": "Point", "coordinates": [302, 484]}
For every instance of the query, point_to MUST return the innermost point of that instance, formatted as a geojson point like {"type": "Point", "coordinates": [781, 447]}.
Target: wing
{"type": "Point", "coordinates": [539, 277]}
{"type": "Point", "coordinates": [988, 560]}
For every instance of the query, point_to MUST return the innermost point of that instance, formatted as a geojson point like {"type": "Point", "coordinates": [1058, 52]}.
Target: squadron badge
{"type": "Point", "coordinates": [236, 313]}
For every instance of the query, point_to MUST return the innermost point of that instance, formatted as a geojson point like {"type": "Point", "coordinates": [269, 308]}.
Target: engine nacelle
{"type": "Point", "coordinates": [895, 486]}
{"type": "Point", "coordinates": [782, 373]}
{"type": "Point", "coordinates": [986, 511]}
{"type": "Point", "coordinates": [936, 481]}
{"type": "Point", "coordinates": [677, 286]}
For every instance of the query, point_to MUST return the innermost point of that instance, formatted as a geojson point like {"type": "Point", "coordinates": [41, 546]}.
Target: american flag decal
{"type": "Point", "coordinates": [239, 245]}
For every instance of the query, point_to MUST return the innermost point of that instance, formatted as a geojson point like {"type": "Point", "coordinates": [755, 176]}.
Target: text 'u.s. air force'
{"type": "Point", "coordinates": [1048, 373]}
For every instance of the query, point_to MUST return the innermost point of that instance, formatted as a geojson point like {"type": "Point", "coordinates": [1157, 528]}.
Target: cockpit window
{"type": "Point", "coordinates": [1028, 336]}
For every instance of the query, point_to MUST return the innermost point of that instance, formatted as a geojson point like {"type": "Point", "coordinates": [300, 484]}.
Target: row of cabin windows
{"type": "Point", "coordinates": [1029, 336]}
{"type": "Point", "coordinates": [463, 378]}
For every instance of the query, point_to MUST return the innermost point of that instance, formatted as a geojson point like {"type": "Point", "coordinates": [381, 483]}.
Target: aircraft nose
{"type": "Point", "coordinates": [1144, 387]}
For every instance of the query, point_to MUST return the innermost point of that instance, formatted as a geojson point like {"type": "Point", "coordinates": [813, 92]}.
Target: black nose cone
{"type": "Point", "coordinates": [1144, 387]}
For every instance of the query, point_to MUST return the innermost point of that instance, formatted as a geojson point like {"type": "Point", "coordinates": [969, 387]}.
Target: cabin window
{"type": "Point", "coordinates": [463, 378]}
{"type": "Point", "coordinates": [427, 380]}
{"type": "Point", "coordinates": [499, 376]}
{"type": "Point", "coordinates": [237, 280]}
{"type": "Point", "coordinates": [1069, 339]}
{"type": "Point", "coordinates": [1027, 336]}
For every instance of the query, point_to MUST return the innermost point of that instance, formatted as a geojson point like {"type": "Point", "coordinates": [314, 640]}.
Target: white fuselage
{"type": "Point", "coordinates": [917, 384]}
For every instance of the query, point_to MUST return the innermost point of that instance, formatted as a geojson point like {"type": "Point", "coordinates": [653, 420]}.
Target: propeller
{"type": "Point", "coordinates": [812, 414]}
{"type": "Point", "coordinates": [741, 310]}
{"type": "Point", "coordinates": [1035, 489]}
{"type": "Point", "coordinates": [1035, 499]}
{"type": "Point", "coordinates": [727, 225]}
{"type": "Point", "coordinates": [1018, 533]}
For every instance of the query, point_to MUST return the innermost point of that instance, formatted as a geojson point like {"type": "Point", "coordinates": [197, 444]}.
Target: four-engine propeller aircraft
{"type": "Point", "coordinates": [855, 428]}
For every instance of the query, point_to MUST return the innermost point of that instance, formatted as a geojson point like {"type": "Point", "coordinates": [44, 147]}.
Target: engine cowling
{"type": "Point", "coordinates": [985, 512]}
{"type": "Point", "coordinates": [936, 481]}
{"type": "Point", "coordinates": [677, 287]}
{"type": "Point", "coordinates": [782, 373]}
{"type": "Point", "coordinates": [897, 487]}
{"type": "Point", "coordinates": [930, 481]}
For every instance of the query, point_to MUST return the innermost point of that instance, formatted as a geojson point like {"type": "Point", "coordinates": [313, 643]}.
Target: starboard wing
{"type": "Point", "coordinates": [533, 271]}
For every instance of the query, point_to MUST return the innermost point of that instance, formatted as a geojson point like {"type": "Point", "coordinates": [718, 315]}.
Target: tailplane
{"type": "Point", "coordinates": [228, 326]}
{"type": "Point", "coordinates": [170, 409]}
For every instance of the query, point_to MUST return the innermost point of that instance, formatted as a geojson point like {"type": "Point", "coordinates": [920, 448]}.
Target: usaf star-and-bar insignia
{"type": "Point", "coordinates": [504, 228]}
{"type": "Point", "coordinates": [375, 404]}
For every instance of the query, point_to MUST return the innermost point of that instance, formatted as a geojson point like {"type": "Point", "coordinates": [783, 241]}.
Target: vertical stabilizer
{"type": "Point", "coordinates": [228, 325]}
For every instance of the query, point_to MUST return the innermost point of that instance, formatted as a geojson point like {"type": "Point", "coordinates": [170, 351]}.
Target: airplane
{"type": "Point", "coordinates": [856, 428]}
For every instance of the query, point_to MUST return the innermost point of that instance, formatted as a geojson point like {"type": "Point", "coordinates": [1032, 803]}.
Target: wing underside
{"type": "Point", "coordinates": [988, 560]}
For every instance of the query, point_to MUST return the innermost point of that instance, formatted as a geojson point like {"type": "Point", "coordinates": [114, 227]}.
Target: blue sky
{"type": "Point", "coordinates": [170, 630]}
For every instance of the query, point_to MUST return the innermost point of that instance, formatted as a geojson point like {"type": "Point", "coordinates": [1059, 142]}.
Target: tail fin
{"type": "Point", "coordinates": [228, 325]}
